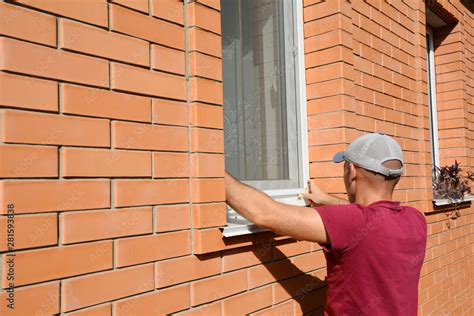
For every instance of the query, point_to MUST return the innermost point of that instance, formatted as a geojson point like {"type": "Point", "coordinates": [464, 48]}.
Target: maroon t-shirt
{"type": "Point", "coordinates": [374, 259]}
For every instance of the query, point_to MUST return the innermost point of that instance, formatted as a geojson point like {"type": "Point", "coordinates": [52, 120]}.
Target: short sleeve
{"type": "Point", "coordinates": [344, 225]}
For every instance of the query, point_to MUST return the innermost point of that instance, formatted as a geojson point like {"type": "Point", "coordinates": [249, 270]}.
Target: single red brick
{"type": "Point", "coordinates": [289, 248]}
{"type": "Point", "coordinates": [185, 269]}
{"type": "Point", "coordinates": [211, 240]}
{"type": "Point", "coordinates": [327, 40]}
{"type": "Point", "coordinates": [104, 103]}
{"type": "Point", "coordinates": [216, 4]}
{"type": "Point", "coordinates": [134, 250]}
{"type": "Point", "coordinates": [215, 288]}
{"type": "Point", "coordinates": [245, 257]}
{"type": "Point", "coordinates": [172, 217]}
{"type": "Point", "coordinates": [207, 165]}
{"type": "Point", "coordinates": [308, 262]}
{"type": "Point", "coordinates": [104, 224]}
{"type": "Point", "coordinates": [171, 10]}
{"type": "Point", "coordinates": [28, 161]}
{"type": "Point", "coordinates": [325, 24]}
{"type": "Point", "coordinates": [205, 115]}
{"type": "Point", "coordinates": [205, 90]}
{"type": "Point", "coordinates": [151, 137]}
{"type": "Point", "coordinates": [269, 272]}
{"type": "Point", "coordinates": [328, 56]}
{"type": "Point", "coordinates": [51, 63]}
{"type": "Point", "coordinates": [324, 153]}
{"type": "Point", "coordinates": [205, 42]}
{"type": "Point", "coordinates": [206, 66]}
{"type": "Point", "coordinates": [248, 302]}
{"type": "Point", "coordinates": [170, 112]}
{"type": "Point", "coordinates": [54, 195]}
{"type": "Point", "coordinates": [318, 11]}
{"type": "Point", "coordinates": [170, 165]}
{"type": "Point", "coordinates": [162, 302]}
{"type": "Point", "coordinates": [82, 162]}
{"type": "Point", "coordinates": [168, 59]}
{"type": "Point", "coordinates": [39, 128]}
{"type": "Point", "coordinates": [204, 17]}
{"type": "Point", "coordinates": [326, 169]}
{"type": "Point", "coordinates": [149, 192]}
{"type": "Point", "coordinates": [207, 140]}
{"type": "Point", "coordinates": [94, 13]}
{"type": "Point", "coordinates": [330, 88]}
{"type": "Point", "coordinates": [329, 72]}
{"type": "Point", "coordinates": [326, 137]}
{"type": "Point", "coordinates": [209, 215]}
{"type": "Point", "coordinates": [26, 24]}
{"type": "Point", "coordinates": [146, 27]}
{"type": "Point", "coordinates": [330, 120]}
{"type": "Point", "coordinates": [31, 299]}
{"type": "Point", "coordinates": [138, 80]}
{"type": "Point", "coordinates": [208, 190]}
{"type": "Point", "coordinates": [81, 38]}
{"type": "Point", "coordinates": [140, 5]}
{"type": "Point", "coordinates": [31, 231]}
{"type": "Point", "coordinates": [42, 94]}
{"type": "Point", "coordinates": [54, 263]}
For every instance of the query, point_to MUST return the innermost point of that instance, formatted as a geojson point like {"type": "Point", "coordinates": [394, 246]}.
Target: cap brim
{"type": "Point", "coordinates": [339, 157]}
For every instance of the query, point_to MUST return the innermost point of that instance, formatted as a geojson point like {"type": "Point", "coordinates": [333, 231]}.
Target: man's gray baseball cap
{"type": "Point", "coordinates": [370, 151]}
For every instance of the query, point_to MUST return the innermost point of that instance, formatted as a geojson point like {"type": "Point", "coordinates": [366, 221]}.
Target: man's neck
{"type": "Point", "coordinates": [367, 198]}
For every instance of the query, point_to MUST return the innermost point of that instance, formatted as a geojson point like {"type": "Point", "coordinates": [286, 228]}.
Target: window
{"type": "Point", "coordinates": [432, 100]}
{"type": "Point", "coordinates": [264, 101]}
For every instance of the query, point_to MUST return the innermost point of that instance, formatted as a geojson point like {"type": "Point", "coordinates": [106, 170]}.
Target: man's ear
{"type": "Point", "coordinates": [352, 171]}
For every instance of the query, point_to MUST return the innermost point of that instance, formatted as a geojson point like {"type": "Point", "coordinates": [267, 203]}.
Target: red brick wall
{"type": "Point", "coordinates": [112, 153]}
{"type": "Point", "coordinates": [447, 281]}
{"type": "Point", "coordinates": [366, 71]}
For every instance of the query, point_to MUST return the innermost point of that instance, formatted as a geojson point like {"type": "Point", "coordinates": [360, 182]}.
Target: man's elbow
{"type": "Point", "coordinates": [265, 217]}
{"type": "Point", "coordinates": [260, 220]}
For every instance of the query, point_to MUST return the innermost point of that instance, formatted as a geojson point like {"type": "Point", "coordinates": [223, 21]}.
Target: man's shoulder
{"type": "Point", "coordinates": [416, 213]}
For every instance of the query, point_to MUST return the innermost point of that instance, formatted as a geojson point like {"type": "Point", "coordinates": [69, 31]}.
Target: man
{"type": "Point", "coordinates": [374, 246]}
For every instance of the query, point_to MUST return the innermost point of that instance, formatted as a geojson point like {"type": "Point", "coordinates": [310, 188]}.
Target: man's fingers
{"type": "Point", "coordinates": [307, 198]}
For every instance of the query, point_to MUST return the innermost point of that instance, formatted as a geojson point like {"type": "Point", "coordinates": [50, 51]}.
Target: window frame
{"type": "Point", "coordinates": [288, 196]}
{"type": "Point", "coordinates": [432, 103]}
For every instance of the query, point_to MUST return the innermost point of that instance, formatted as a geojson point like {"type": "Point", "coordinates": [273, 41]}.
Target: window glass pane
{"type": "Point", "coordinates": [255, 101]}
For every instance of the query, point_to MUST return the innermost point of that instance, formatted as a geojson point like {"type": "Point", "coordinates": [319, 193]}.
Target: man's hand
{"type": "Point", "coordinates": [314, 196]}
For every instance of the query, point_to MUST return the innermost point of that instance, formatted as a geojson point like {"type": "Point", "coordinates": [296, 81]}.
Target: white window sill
{"type": "Point", "coordinates": [232, 230]}
{"type": "Point", "coordinates": [238, 225]}
{"type": "Point", "coordinates": [441, 202]}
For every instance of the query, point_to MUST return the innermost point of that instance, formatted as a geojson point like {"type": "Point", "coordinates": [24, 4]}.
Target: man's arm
{"type": "Point", "coordinates": [299, 222]}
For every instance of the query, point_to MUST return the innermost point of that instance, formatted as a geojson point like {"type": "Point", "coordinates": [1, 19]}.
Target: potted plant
{"type": "Point", "coordinates": [451, 186]}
